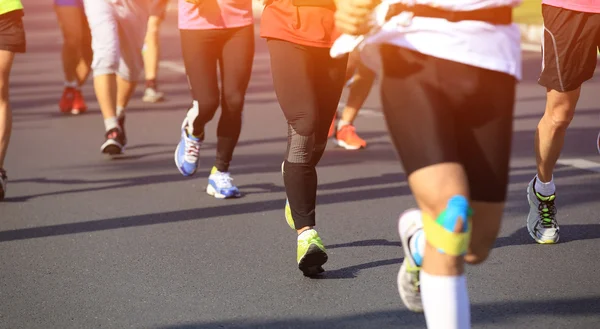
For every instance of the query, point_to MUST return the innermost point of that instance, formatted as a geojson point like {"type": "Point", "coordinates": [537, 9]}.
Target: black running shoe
{"type": "Point", "coordinates": [114, 143]}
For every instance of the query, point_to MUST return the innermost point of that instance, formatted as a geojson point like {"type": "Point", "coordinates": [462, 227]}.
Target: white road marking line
{"type": "Point", "coordinates": [581, 164]}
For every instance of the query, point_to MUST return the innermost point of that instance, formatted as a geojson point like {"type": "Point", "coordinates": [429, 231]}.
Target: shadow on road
{"type": "Point", "coordinates": [217, 212]}
{"type": "Point", "coordinates": [568, 233]}
{"type": "Point", "coordinates": [490, 313]}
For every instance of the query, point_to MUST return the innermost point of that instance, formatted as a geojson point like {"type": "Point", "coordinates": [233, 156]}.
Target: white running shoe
{"type": "Point", "coordinates": [409, 284]}
{"type": "Point", "coordinates": [541, 221]}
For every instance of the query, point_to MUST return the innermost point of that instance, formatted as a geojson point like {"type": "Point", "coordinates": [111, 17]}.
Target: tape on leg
{"type": "Point", "coordinates": [441, 236]}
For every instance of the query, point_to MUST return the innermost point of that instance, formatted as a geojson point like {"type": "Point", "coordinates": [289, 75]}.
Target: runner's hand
{"type": "Point", "coordinates": [352, 16]}
{"type": "Point", "coordinates": [195, 2]}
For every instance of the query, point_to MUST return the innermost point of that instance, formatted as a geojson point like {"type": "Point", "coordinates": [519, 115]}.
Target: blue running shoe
{"type": "Point", "coordinates": [220, 186]}
{"type": "Point", "coordinates": [187, 152]}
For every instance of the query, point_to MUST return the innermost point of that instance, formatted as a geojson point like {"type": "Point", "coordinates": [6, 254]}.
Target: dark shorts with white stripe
{"type": "Point", "coordinates": [569, 48]}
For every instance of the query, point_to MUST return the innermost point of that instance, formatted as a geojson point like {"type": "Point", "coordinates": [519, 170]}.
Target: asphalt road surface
{"type": "Point", "coordinates": [90, 242]}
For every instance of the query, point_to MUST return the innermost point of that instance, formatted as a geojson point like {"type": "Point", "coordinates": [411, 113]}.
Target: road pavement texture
{"type": "Point", "coordinates": [90, 242]}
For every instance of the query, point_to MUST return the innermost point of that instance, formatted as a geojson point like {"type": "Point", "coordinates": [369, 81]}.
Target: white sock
{"type": "Point", "coordinates": [111, 123]}
{"type": "Point", "coordinates": [120, 111]}
{"type": "Point", "coordinates": [545, 189]}
{"type": "Point", "coordinates": [445, 301]}
{"type": "Point", "coordinates": [342, 123]}
{"type": "Point", "coordinates": [71, 84]}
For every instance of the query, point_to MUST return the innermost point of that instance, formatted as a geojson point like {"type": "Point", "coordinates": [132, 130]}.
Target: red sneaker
{"type": "Point", "coordinates": [66, 101]}
{"type": "Point", "coordinates": [347, 138]}
{"type": "Point", "coordinates": [78, 103]}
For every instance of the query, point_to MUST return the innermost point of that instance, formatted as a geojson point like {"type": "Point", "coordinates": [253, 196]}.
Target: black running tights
{"type": "Point", "coordinates": [308, 84]}
{"type": "Point", "coordinates": [232, 52]}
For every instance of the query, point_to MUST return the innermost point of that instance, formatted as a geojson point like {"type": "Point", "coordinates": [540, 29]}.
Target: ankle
{"type": "Point", "coordinates": [151, 83]}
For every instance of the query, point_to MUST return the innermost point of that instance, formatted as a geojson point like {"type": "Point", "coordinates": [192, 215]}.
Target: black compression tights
{"type": "Point", "coordinates": [232, 52]}
{"type": "Point", "coordinates": [308, 84]}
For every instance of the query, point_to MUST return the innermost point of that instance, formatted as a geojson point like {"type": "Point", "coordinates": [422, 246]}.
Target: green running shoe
{"type": "Point", "coordinates": [288, 215]}
{"type": "Point", "coordinates": [311, 253]}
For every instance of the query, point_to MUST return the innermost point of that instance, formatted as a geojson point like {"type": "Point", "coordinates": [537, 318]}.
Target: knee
{"type": "Point", "coordinates": [207, 106]}
{"type": "Point", "coordinates": [561, 118]}
{"type": "Point", "coordinates": [300, 145]}
{"type": "Point", "coordinates": [560, 109]}
{"type": "Point", "coordinates": [105, 64]}
{"type": "Point", "coordinates": [234, 103]}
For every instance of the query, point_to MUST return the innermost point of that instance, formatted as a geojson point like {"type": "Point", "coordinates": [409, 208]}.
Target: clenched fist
{"type": "Point", "coordinates": [352, 16]}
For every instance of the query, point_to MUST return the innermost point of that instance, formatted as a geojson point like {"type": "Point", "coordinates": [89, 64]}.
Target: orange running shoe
{"type": "Point", "coordinates": [66, 101]}
{"type": "Point", "coordinates": [78, 105]}
{"type": "Point", "coordinates": [347, 138]}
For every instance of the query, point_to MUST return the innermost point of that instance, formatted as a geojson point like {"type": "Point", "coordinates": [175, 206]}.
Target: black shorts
{"type": "Point", "coordinates": [12, 32]}
{"type": "Point", "coordinates": [439, 111]}
{"type": "Point", "coordinates": [158, 8]}
{"type": "Point", "coordinates": [569, 48]}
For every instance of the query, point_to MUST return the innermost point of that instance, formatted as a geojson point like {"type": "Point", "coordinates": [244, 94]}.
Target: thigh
{"type": "Point", "coordinates": [236, 60]}
{"type": "Point", "coordinates": [329, 79]}
{"type": "Point", "coordinates": [484, 131]}
{"type": "Point", "coordinates": [104, 30]}
{"type": "Point", "coordinates": [132, 20]}
{"type": "Point", "coordinates": [71, 21]}
{"type": "Point", "coordinates": [417, 109]}
{"type": "Point", "coordinates": [201, 50]}
{"type": "Point", "coordinates": [6, 61]}
{"type": "Point", "coordinates": [291, 66]}
{"type": "Point", "coordinates": [158, 9]}
{"type": "Point", "coordinates": [569, 48]}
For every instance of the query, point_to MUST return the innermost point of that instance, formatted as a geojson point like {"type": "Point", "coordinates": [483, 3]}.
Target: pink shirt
{"type": "Point", "coordinates": [215, 14]}
{"type": "Point", "coordinates": [587, 6]}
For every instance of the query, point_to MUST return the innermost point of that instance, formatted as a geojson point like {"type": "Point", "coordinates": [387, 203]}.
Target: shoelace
{"type": "Point", "coordinates": [223, 180]}
{"type": "Point", "coordinates": [415, 281]}
{"type": "Point", "coordinates": [547, 211]}
{"type": "Point", "coordinates": [192, 150]}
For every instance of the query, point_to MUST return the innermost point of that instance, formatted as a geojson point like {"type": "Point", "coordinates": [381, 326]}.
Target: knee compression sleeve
{"type": "Point", "coordinates": [300, 148]}
{"type": "Point", "coordinates": [440, 232]}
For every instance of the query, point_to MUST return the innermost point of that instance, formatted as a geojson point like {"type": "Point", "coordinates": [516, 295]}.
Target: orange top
{"type": "Point", "coordinates": [308, 26]}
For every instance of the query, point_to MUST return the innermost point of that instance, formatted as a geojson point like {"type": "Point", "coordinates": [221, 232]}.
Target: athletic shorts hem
{"type": "Point", "coordinates": [12, 32]}
{"type": "Point", "coordinates": [569, 48]}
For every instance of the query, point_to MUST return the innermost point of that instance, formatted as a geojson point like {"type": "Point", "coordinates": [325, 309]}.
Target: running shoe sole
{"type": "Point", "coordinates": [157, 98]}
{"type": "Point", "coordinates": [111, 147]}
{"type": "Point", "coordinates": [312, 262]}
{"type": "Point", "coordinates": [533, 212]}
{"type": "Point", "coordinates": [210, 190]}
{"type": "Point", "coordinates": [402, 272]}
{"type": "Point", "coordinates": [345, 145]}
{"type": "Point", "coordinates": [403, 296]}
